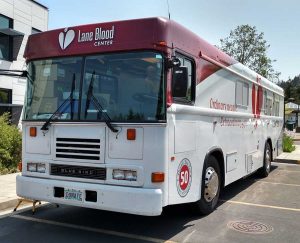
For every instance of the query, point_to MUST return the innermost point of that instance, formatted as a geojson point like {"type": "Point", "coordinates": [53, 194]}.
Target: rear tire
{"type": "Point", "coordinates": [265, 170]}
{"type": "Point", "coordinates": [210, 189]}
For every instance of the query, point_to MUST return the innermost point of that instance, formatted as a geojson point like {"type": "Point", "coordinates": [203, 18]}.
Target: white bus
{"type": "Point", "coordinates": [132, 116]}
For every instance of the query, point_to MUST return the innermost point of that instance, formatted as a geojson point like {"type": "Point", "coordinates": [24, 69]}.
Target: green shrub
{"type": "Point", "coordinates": [288, 144]}
{"type": "Point", "coordinates": [10, 146]}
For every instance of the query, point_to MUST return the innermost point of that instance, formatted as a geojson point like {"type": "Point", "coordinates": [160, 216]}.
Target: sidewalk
{"type": "Point", "coordinates": [8, 196]}
{"type": "Point", "coordinates": [296, 137]}
{"type": "Point", "coordinates": [293, 157]}
{"type": "Point", "coordinates": [293, 134]}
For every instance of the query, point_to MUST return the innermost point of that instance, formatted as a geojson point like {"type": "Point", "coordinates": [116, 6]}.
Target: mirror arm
{"type": "Point", "coordinates": [172, 62]}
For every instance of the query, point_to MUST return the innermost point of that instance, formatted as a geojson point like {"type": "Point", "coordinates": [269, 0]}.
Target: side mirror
{"type": "Point", "coordinates": [173, 62]}
{"type": "Point", "coordinates": [180, 82]}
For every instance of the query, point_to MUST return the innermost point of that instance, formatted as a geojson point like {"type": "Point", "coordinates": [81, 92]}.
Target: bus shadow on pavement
{"type": "Point", "coordinates": [235, 188]}
{"type": "Point", "coordinates": [172, 221]}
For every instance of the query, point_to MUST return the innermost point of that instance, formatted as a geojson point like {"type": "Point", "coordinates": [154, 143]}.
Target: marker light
{"type": "Point", "coordinates": [32, 131]}
{"type": "Point", "coordinates": [162, 43]}
{"type": "Point", "coordinates": [131, 134]}
{"type": "Point", "coordinates": [158, 177]}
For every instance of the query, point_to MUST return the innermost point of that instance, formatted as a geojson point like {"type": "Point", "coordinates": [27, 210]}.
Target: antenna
{"type": "Point", "coordinates": [169, 14]}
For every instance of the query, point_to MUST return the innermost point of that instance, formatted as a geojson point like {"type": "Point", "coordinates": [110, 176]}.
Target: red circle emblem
{"type": "Point", "coordinates": [184, 177]}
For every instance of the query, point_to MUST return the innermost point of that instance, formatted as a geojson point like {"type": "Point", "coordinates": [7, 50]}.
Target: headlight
{"type": "Point", "coordinates": [128, 175]}
{"type": "Point", "coordinates": [118, 174]}
{"type": "Point", "coordinates": [36, 167]}
{"type": "Point", "coordinates": [41, 168]}
{"type": "Point", "coordinates": [31, 167]}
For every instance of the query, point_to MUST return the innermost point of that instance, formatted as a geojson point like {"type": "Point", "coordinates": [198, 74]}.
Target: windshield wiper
{"type": "Point", "coordinates": [98, 106]}
{"type": "Point", "coordinates": [55, 114]}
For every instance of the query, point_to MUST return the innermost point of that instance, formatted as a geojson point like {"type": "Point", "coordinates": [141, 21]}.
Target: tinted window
{"type": "Point", "coordinates": [186, 62]}
{"type": "Point", "coordinates": [5, 40]}
{"type": "Point", "coordinates": [50, 83]}
{"type": "Point", "coordinates": [127, 87]}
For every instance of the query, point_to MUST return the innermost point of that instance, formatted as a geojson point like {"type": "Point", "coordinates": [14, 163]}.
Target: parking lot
{"type": "Point", "coordinates": [252, 209]}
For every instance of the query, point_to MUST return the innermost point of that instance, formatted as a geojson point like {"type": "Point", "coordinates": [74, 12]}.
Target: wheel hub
{"type": "Point", "coordinates": [211, 184]}
{"type": "Point", "coordinates": [268, 160]}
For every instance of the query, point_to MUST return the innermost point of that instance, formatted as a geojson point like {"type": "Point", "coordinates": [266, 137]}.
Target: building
{"type": "Point", "coordinates": [292, 115]}
{"type": "Point", "coordinates": [18, 20]}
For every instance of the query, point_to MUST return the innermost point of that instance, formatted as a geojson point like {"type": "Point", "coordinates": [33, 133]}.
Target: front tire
{"type": "Point", "coordinates": [211, 185]}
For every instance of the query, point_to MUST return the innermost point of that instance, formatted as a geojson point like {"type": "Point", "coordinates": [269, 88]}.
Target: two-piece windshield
{"type": "Point", "coordinates": [129, 87]}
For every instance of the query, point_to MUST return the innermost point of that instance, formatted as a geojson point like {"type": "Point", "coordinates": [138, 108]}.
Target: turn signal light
{"type": "Point", "coordinates": [32, 131]}
{"type": "Point", "coordinates": [131, 134]}
{"type": "Point", "coordinates": [158, 177]}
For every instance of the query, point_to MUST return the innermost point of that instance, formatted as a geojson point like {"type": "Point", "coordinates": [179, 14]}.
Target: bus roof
{"type": "Point", "coordinates": [138, 34]}
{"type": "Point", "coordinates": [148, 33]}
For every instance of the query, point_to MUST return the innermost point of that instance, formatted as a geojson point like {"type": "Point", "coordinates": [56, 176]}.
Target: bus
{"type": "Point", "coordinates": [132, 116]}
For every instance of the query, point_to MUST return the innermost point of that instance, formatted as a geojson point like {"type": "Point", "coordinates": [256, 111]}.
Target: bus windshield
{"type": "Point", "coordinates": [129, 87]}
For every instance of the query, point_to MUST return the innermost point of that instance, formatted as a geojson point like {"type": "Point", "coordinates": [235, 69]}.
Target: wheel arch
{"type": "Point", "coordinates": [218, 154]}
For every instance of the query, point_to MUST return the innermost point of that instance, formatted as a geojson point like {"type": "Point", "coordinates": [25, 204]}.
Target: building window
{"type": "Point", "coordinates": [242, 94]}
{"type": "Point", "coordinates": [5, 100]}
{"type": "Point", "coordinates": [5, 22]}
{"type": "Point", "coordinates": [5, 40]}
{"type": "Point", "coordinates": [5, 47]}
{"type": "Point", "coordinates": [35, 31]}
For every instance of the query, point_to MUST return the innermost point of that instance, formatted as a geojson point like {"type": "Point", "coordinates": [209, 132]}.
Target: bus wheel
{"type": "Point", "coordinates": [211, 182]}
{"type": "Point", "coordinates": [265, 170]}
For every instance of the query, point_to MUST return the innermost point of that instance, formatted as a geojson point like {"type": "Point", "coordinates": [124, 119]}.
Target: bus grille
{"type": "Point", "coordinates": [78, 171]}
{"type": "Point", "coordinates": [78, 148]}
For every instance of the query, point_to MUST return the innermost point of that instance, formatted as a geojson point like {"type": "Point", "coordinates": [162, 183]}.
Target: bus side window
{"type": "Point", "coordinates": [276, 105]}
{"type": "Point", "coordinates": [189, 95]}
{"type": "Point", "coordinates": [242, 94]}
{"type": "Point", "coordinates": [269, 104]}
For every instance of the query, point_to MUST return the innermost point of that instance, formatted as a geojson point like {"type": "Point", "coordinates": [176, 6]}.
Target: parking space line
{"type": "Point", "coordinates": [86, 228]}
{"type": "Point", "coordinates": [292, 171]}
{"type": "Point", "coordinates": [260, 205]}
{"type": "Point", "coordinates": [285, 164]}
{"type": "Point", "coordinates": [277, 183]}
{"type": "Point", "coordinates": [187, 238]}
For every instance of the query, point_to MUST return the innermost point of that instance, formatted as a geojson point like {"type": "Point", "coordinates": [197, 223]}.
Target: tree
{"type": "Point", "coordinates": [10, 145]}
{"type": "Point", "coordinates": [248, 47]}
{"type": "Point", "coordinates": [291, 89]}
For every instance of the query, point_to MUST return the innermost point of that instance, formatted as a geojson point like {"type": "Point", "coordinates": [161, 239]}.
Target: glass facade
{"type": "Point", "coordinates": [5, 100]}
{"type": "Point", "coordinates": [5, 40]}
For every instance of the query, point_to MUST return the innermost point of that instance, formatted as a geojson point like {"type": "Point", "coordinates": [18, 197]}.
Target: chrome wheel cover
{"type": "Point", "coordinates": [211, 184]}
{"type": "Point", "coordinates": [268, 160]}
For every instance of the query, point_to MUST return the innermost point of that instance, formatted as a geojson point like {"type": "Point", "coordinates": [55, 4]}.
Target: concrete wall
{"type": "Point", "coordinates": [26, 14]}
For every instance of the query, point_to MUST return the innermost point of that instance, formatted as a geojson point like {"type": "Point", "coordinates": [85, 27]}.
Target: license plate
{"type": "Point", "coordinates": [72, 194]}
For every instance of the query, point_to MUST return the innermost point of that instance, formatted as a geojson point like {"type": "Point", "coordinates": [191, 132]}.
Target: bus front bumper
{"type": "Point", "coordinates": [122, 199]}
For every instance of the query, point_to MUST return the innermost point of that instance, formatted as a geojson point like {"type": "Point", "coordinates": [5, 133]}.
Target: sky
{"type": "Point", "coordinates": [212, 20]}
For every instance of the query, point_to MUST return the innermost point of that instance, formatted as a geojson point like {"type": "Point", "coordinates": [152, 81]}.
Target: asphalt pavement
{"type": "Point", "coordinates": [251, 209]}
